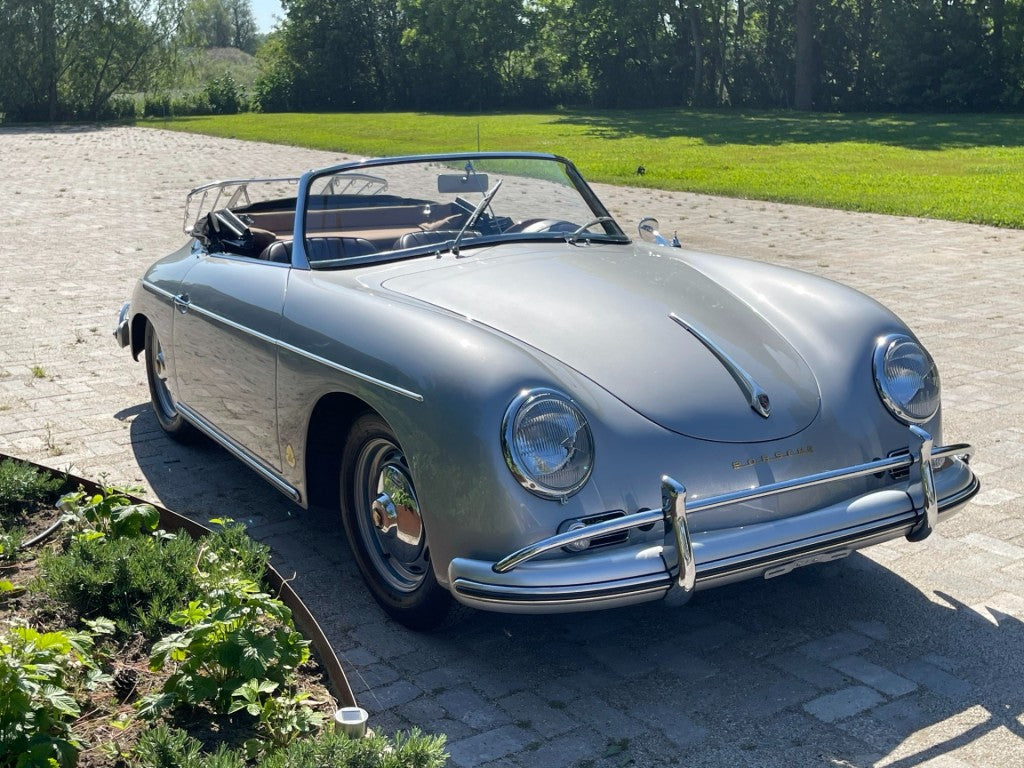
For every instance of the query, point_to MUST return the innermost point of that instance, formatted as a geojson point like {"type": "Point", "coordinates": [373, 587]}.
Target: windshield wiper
{"type": "Point", "coordinates": [575, 235]}
{"type": "Point", "coordinates": [475, 215]}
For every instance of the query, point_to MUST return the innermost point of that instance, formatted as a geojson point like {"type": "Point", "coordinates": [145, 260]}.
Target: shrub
{"type": "Point", "coordinates": [137, 581]}
{"type": "Point", "coordinates": [224, 95]}
{"type": "Point", "coordinates": [231, 552]}
{"type": "Point", "coordinates": [413, 751]}
{"type": "Point", "coordinates": [22, 484]}
{"type": "Point", "coordinates": [166, 747]}
{"type": "Point", "coordinates": [122, 108]}
{"type": "Point", "coordinates": [157, 105]}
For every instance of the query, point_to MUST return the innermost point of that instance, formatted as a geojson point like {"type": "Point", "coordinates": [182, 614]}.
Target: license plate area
{"type": "Point", "coordinates": [800, 562]}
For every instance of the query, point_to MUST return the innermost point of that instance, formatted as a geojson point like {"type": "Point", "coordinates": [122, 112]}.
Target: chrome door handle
{"type": "Point", "coordinates": [182, 301]}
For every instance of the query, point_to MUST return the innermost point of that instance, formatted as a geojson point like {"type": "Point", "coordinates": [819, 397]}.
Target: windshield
{"type": "Point", "coordinates": [449, 205]}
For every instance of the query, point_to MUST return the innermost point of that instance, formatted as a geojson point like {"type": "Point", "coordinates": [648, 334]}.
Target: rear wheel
{"type": "Point", "coordinates": [383, 522]}
{"type": "Point", "coordinates": [160, 393]}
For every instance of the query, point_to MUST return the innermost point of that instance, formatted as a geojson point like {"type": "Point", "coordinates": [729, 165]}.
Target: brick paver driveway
{"type": "Point", "coordinates": [905, 655]}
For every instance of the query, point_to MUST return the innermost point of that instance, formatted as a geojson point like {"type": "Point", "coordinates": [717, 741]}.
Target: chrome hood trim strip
{"type": "Point", "coordinates": [754, 392]}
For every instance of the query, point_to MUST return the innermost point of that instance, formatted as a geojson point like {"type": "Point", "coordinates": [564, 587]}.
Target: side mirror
{"type": "Point", "coordinates": [649, 233]}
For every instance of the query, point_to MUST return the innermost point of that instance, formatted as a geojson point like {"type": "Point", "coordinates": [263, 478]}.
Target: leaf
{"type": "Point", "coordinates": [90, 535]}
{"type": "Point", "coordinates": [60, 700]}
{"type": "Point", "coordinates": [195, 613]}
{"type": "Point", "coordinates": [134, 519]}
{"type": "Point", "coordinates": [153, 705]}
{"type": "Point", "coordinates": [101, 626]}
{"type": "Point", "coordinates": [258, 653]}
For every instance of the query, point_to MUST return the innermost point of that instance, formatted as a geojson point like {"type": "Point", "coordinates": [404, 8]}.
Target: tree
{"type": "Point", "coordinates": [65, 58]}
{"type": "Point", "coordinates": [222, 24]}
{"type": "Point", "coordinates": [461, 54]}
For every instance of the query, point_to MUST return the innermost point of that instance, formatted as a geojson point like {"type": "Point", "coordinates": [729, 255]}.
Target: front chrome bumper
{"type": "Point", "coordinates": [524, 582]}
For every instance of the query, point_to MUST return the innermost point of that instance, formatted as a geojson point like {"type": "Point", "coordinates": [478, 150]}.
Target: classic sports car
{"type": "Point", "coordinates": [514, 404]}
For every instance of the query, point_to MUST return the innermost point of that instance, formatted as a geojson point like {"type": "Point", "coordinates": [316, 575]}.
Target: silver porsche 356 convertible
{"type": "Point", "coordinates": [517, 406]}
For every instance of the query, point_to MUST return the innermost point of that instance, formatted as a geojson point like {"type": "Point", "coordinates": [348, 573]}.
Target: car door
{"type": "Point", "coordinates": [225, 331]}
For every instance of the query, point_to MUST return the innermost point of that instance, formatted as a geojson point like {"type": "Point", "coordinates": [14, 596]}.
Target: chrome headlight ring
{"type": "Point", "coordinates": [547, 443]}
{"type": "Point", "coordinates": [906, 378]}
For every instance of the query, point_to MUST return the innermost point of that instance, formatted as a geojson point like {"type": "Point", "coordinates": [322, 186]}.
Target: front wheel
{"type": "Point", "coordinates": [383, 521]}
{"type": "Point", "coordinates": [160, 393]}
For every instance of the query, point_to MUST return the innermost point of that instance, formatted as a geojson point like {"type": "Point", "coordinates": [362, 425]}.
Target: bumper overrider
{"type": "Point", "coordinates": [123, 329]}
{"type": "Point", "coordinates": [523, 581]}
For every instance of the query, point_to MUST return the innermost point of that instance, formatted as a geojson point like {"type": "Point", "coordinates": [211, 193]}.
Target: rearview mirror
{"type": "Point", "coordinates": [459, 183]}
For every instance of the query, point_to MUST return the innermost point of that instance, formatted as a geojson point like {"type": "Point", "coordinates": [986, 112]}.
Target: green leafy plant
{"type": "Point", "coordinates": [22, 484]}
{"type": "Point", "coordinates": [236, 634]}
{"type": "Point", "coordinates": [39, 675]}
{"type": "Point", "coordinates": [10, 543]}
{"type": "Point", "coordinates": [108, 513]}
{"type": "Point", "coordinates": [282, 718]}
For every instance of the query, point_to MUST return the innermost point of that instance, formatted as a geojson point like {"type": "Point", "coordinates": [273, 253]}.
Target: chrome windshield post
{"type": "Point", "coordinates": [921, 451]}
{"type": "Point", "coordinates": [673, 507]}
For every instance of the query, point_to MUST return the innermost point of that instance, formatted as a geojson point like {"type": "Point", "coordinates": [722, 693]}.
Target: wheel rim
{"type": "Point", "coordinates": [162, 397]}
{"type": "Point", "coordinates": [388, 516]}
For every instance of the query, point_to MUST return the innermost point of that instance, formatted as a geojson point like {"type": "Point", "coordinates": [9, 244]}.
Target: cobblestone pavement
{"type": "Point", "coordinates": [905, 655]}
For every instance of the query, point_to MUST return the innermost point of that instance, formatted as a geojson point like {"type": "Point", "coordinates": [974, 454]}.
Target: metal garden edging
{"type": "Point", "coordinates": [301, 615]}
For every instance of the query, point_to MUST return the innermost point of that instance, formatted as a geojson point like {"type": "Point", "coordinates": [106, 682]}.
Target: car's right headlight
{"type": "Point", "coordinates": [906, 378]}
{"type": "Point", "coordinates": [547, 443]}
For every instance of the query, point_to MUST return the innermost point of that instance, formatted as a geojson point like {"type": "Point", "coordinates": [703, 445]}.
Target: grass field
{"type": "Point", "coordinates": [957, 167]}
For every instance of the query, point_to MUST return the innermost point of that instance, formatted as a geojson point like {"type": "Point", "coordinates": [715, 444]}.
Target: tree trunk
{"type": "Point", "coordinates": [48, 55]}
{"type": "Point", "coordinates": [693, 12]}
{"type": "Point", "coordinates": [803, 98]}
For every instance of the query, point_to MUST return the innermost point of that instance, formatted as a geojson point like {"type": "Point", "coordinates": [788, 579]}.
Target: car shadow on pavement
{"type": "Point", "coordinates": [846, 661]}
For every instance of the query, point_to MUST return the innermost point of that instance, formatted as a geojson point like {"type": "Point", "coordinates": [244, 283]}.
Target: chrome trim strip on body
{"type": "Point", "coordinates": [754, 392]}
{"type": "Point", "coordinates": [352, 372]}
{"type": "Point", "coordinates": [290, 347]}
{"type": "Point", "coordinates": [238, 452]}
{"type": "Point", "coordinates": [154, 288]}
{"type": "Point", "coordinates": [751, 494]}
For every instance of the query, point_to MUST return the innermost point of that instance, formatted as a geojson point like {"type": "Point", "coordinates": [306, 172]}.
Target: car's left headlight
{"type": "Point", "coordinates": [547, 443]}
{"type": "Point", "coordinates": [906, 378]}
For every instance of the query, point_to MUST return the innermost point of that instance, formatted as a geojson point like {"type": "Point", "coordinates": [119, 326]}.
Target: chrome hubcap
{"type": "Point", "coordinates": [391, 526]}
{"type": "Point", "coordinates": [163, 393]}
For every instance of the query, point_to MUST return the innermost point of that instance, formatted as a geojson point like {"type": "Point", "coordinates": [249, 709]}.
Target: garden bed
{"type": "Point", "coordinates": [123, 643]}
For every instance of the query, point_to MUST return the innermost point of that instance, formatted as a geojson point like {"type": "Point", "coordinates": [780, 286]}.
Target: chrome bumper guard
{"type": "Point", "coordinates": [123, 331]}
{"type": "Point", "coordinates": [675, 510]}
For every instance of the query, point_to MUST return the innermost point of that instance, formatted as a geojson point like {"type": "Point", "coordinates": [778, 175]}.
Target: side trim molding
{"type": "Point", "coordinates": [238, 452]}
{"type": "Point", "coordinates": [293, 349]}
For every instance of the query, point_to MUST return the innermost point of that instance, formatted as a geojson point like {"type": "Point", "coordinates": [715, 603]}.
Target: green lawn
{"type": "Point", "coordinates": [958, 167]}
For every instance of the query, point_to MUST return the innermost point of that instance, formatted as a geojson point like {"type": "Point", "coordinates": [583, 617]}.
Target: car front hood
{"type": "Point", "coordinates": [622, 318]}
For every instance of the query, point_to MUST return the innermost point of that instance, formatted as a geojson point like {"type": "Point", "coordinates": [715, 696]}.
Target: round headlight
{"type": "Point", "coordinates": [907, 379]}
{"type": "Point", "coordinates": [547, 443]}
